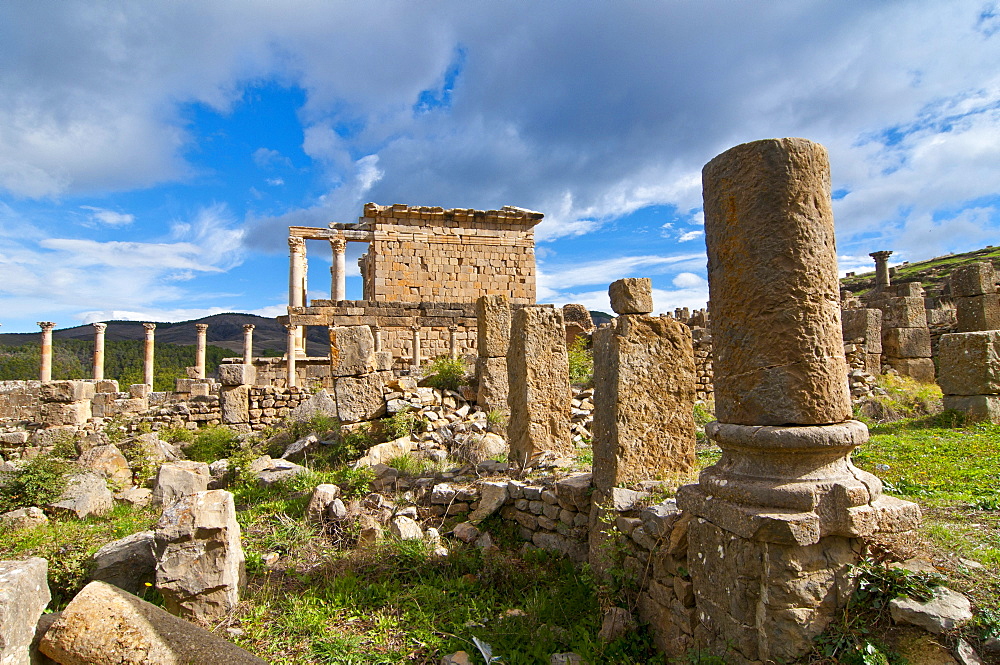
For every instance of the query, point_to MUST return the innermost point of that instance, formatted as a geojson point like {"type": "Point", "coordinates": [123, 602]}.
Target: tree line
{"type": "Point", "coordinates": [123, 360]}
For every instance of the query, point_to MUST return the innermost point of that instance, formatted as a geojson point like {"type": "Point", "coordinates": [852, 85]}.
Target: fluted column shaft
{"type": "Point", "coordinates": [99, 329]}
{"type": "Point", "coordinates": [45, 367]}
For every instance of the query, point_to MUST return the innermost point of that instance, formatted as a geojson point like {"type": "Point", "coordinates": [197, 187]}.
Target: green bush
{"type": "Point", "coordinates": [180, 435]}
{"type": "Point", "coordinates": [446, 373]}
{"type": "Point", "coordinates": [38, 482]}
{"type": "Point", "coordinates": [400, 424]}
{"type": "Point", "coordinates": [212, 443]}
{"type": "Point", "coordinates": [581, 363]}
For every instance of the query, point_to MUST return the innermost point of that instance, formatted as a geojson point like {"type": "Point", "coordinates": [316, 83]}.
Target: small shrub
{"type": "Point", "coordinates": [581, 363]}
{"type": "Point", "coordinates": [138, 453]}
{"type": "Point", "coordinates": [38, 482]}
{"type": "Point", "coordinates": [446, 373]}
{"type": "Point", "coordinates": [495, 419]}
{"type": "Point", "coordinates": [212, 443]}
{"type": "Point", "coordinates": [400, 424]}
{"type": "Point", "coordinates": [408, 464]}
{"type": "Point", "coordinates": [179, 435]}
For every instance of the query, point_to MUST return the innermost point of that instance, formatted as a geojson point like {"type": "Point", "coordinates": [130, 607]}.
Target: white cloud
{"type": "Point", "coordinates": [553, 279]}
{"type": "Point", "coordinates": [690, 235]}
{"type": "Point", "coordinates": [275, 182]}
{"type": "Point", "coordinates": [109, 217]}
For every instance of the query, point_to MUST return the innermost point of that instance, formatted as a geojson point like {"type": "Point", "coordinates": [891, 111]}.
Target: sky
{"type": "Point", "coordinates": [153, 154]}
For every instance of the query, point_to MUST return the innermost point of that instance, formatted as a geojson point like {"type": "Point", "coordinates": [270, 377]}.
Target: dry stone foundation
{"type": "Point", "coordinates": [776, 522]}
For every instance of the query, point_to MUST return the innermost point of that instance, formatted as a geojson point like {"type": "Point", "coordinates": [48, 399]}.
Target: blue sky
{"type": "Point", "coordinates": [153, 154]}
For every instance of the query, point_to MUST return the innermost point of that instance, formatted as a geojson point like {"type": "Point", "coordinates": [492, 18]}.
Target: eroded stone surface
{"type": "Point", "coordinates": [493, 319]}
{"type": "Point", "coordinates": [352, 350]}
{"type": "Point", "coordinates": [970, 363]}
{"type": "Point", "coordinates": [107, 461]}
{"type": "Point", "coordinates": [632, 295]}
{"type": "Point", "coordinates": [127, 563]}
{"type": "Point", "coordinates": [177, 479]}
{"type": "Point", "coordinates": [24, 594]}
{"type": "Point", "coordinates": [86, 494]}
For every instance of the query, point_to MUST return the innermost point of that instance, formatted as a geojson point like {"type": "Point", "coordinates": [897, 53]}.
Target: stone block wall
{"type": "Point", "coordinates": [429, 254]}
{"type": "Point", "coordinates": [702, 341]}
{"type": "Point", "coordinates": [20, 400]}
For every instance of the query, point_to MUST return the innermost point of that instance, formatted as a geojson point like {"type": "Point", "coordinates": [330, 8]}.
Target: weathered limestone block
{"type": "Point", "coordinates": [493, 319]}
{"type": "Point", "coordinates": [761, 601]}
{"type": "Point", "coordinates": [493, 384]}
{"type": "Point", "coordinates": [632, 295]}
{"type": "Point", "coordinates": [643, 399]}
{"type": "Point", "coordinates": [978, 313]}
{"type": "Point", "coordinates": [359, 397]}
{"type": "Point", "coordinates": [127, 563]}
{"type": "Point", "coordinates": [107, 461]}
{"type": "Point", "coordinates": [23, 518]}
{"type": "Point", "coordinates": [921, 369]}
{"type": "Point", "coordinates": [67, 391]}
{"type": "Point", "coordinates": [578, 314]}
{"type": "Point", "coordinates": [973, 280]}
{"type": "Point", "coordinates": [904, 312]}
{"type": "Point", "coordinates": [66, 413]}
{"type": "Point", "coordinates": [320, 404]}
{"type": "Point", "coordinates": [769, 231]}
{"type": "Point", "coordinates": [984, 408]}
{"type": "Point", "coordinates": [237, 374]}
{"type": "Point", "coordinates": [873, 363]}
{"type": "Point", "coordinates": [323, 495]}
{"type": "Point", "coordinates": [352, 350]}
{"type": "Point", "coordinates": [907, 343]}
{"type": "Point", "coordinates": [104, 624]}
{"type": "Point", "coordinates": [866, 324]}
{"type": "Point", "coordinates": [86, 494]}
{"type": "Point", "coordinates": [234, 402]}
{"type": "Point", "coordinates": [106, 386]}
{"type": "Point", "coordinates": [538, 376]}
{"type": "Point", "coordinates": [970, 363]}
{"type": "Point", "coordinates": [178, 479]}
{"type": "Point", "coordinates": [200, 563]}
{"type": "Point", "coordinates": [24, 594]}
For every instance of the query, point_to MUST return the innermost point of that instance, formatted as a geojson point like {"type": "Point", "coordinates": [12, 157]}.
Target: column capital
{"type": "Point", "coordinates": [201, 327]}
{"type": "Point", "coordinates": [248, 327]}
{"type": "Point", "coordinates": [453, 328]}
{"type": "Point", "coordinates": [297, 245]}
{"type": "Point", "coordinates": [99, 327]}
{"type": "Point", "coordinates": [375, 328]}
{"type": "Point", "coordinates": [150, 327]}
{"type": "Point", "coordinates": [415, 328]}
{"type": "Point", "coordinates": [291, 328]}
{"type": "Point", "coordinates": [46, 326]}
{"type": "Point", "coordinates": [881, 255]}
{"type": "Point", "coordinates": [338, 245]}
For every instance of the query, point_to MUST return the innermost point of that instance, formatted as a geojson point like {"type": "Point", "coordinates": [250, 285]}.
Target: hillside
{"type": "Point", "coordinates": [933, 273]}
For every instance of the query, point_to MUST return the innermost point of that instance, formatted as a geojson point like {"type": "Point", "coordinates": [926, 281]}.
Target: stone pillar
{"type": "Point", "coordinates": [492, 345]}
{"type": "Point", "coordinates": [977, 304]}
{"type": "Point", "coordinates": [99, 329]}
{"type": "Point", "coordinates": [863, 327]}
{"type": "Point", "coordinates": [248, 343]}
{"type": "Point", "coordinates": [781, 515]}
{"type": "Point", "coordinates": [881, 269]}
{"type": "Point", "coordinates": [453, 342]}
{"type": "Point", "coordinates": [970, 374]}
{"type": "Point", "coordinates": [297, 283]}
{"type": "Point", "coordinates": [644, 384]}
{"type": "Point", "coordinates": [148, 356]}
{"type": "Point", "coordinates": [538, 381]}
{"type": "Point", "coordinates": [377, 335]}
{"type": "Point", "coordinates": [906, 338]}
{"type": "Point", "coordinates": [338, 271]}
{"type": "Point", "coordinates": [45, 369]}
{"type": "Point", "coordinates": [199, 361]}
{"type": "Point", "coordinates": [416, 345]}
{"type": "Point", "coordinates": [292, 347]}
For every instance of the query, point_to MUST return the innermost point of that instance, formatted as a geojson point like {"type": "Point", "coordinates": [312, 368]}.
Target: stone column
{"type": "Point", "coordinates": [45, 370]}
{"type": "Point", "coordinates": [538, 383]}
{"type": "Point", "coordinates": [292, 347]}
{"type": "Point", "coordinates": [338, 271]}
{"type": "Point", "coordinates": [780, 516]}
{"type": "Point", "coordinates": [248, 343]}
{"type": "Point", "coordinates": [148, 363]}
{"type": "Point", "coordinates": [416, 345]}
{"type": "Point", "coordinates": [199, 361]}
{"type": "Point", "coordinates": [99, 329]}
{"type": "Point", "coordinates": [977, 303]}
{"type": "Point", "coordinates": [377, 334]}
{"type": "Point", "coordinates": [297, 282]}
{"type": "Point", "coordinates": [453, 342]}
{"type": "Point", "coordinates": [881, 269]}
{"type": "Point", "coordinates": [492, 346]}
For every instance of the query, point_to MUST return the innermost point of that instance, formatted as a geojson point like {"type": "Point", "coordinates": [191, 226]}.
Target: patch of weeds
{"type": "Point", "coordinates": [904, 398]}
{"type": "Point", "coordinates": [495, 419]}
{"type": "Point", "coordinates": [138, 453]}
{"type": "Point", "coordinates": [446, 373]}
{"type": "Point", "coordinates": [400, 424]}
{"type": "Point", "coordinates": [409, 465]}
{"type": "Point", "coordinates": [211, 444]}
{"type": "Point", "coordinates": [37, 482]}
{"type": "Point", "coordinates": [581, 363]}
{"type": "Point", "coordinates": [585, 457]}
{"type": "Point", "coordinates": [704, 413]}
{"type": "Point", "coordinates": [178, 435]}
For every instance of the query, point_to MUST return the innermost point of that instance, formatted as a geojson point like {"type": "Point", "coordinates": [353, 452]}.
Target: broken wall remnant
{"type": "Point", "coordinates": [862, 329]}
{"type": "Point", "coordinates": [977, 303]}
{"type": "Point", "coordinates": [970, 374]}
{"type": "Point", "coordinates": [644, 379]}
{"type": "Point", "coordinates": [777, 521]}
{"type": "Point", "coordinates": [493, 318]}
{"type": "Point", "coordinates": [539, 391]}
{"type": "Point", "coordinates": [906, 339]}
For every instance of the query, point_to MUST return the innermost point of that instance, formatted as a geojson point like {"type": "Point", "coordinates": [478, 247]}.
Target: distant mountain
{"type": "Point", "coordinates": [933, 274]}
{"type": "Point", "coordinates": [224, 330]}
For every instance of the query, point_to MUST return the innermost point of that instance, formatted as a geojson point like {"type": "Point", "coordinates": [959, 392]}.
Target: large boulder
{"type": "Point", "coordinates": [320, 404]}
{"type": "Point", "coordinates": [23, 518]}
{"type": "Point", "coordinates": [104, 624]}
{"type": "Point", "coordinates": [86, 494]}
{"type": "Point", "coordinates": [24, 593]}
{"type": "Point", "coordinates": [127, 563]}
{"type": "Point", "coordinates": [200, 562]}
{"type": "Point", "coordinates": [107, 461]}
{"type": "Point", "coordinates": [177, 479]}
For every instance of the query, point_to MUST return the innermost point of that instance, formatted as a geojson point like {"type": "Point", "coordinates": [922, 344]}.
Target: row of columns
{"type": "Point", "coordinates": [45, 369]}
{"type": "Point", "coordinates": [298, 269]}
